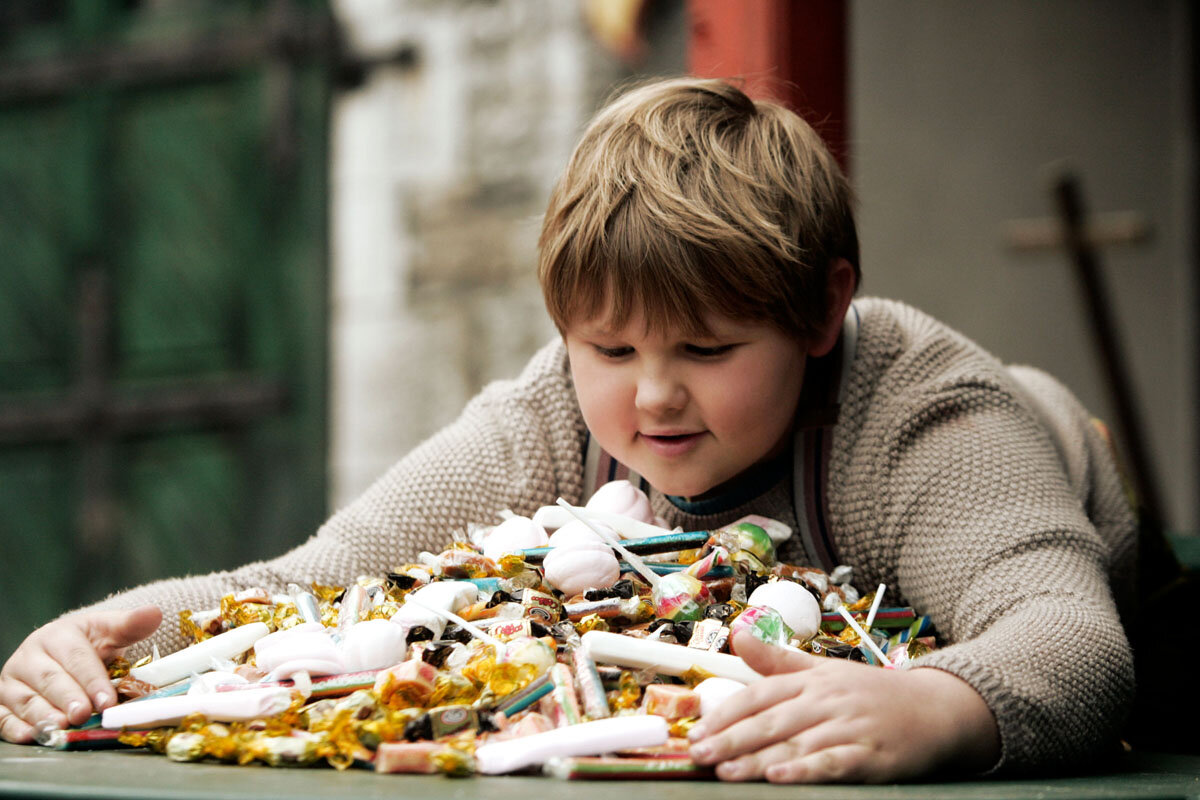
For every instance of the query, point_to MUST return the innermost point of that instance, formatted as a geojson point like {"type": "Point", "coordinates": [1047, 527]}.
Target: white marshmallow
{"type": "Point", "coordinates": [515, 533]}
{"type": "Point", "coordinates": [552, 517]}
{"type": "Point", "coordinates": [373, 644]}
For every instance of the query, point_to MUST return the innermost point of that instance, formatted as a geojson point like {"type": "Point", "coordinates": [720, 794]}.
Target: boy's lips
{"type": "Point", "coordinates": [671, 444]}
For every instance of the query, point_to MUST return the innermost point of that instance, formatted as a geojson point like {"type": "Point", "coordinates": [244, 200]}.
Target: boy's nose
{"type": "Point", "coordinates": [660, 394]}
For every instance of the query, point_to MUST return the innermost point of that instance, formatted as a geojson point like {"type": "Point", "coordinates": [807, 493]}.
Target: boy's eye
{"type": "Point", "coordinates": [613, 352]}
{"type": "Point", "coordinates": [709, 352]}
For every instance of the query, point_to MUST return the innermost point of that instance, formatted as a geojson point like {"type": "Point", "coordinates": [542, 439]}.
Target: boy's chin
{"type": "Point", "coordinates": [676, 487]}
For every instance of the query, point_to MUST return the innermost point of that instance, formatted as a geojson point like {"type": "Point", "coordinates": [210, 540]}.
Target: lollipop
{"type": "Point", "coordinates": [749, 545]}
{"type": "Point", "coordinates": [680, 596]}
{"type": "Point", "coordinates": [764, 623]}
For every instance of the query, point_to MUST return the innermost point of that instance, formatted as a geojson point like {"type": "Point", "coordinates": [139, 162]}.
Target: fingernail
{"type": "Point", "coordinates": [697, 733]}
{"type": "Point", "coordinates": [730, 769]}
{"type": "Point", "coordinates": [701, 752]}
{"type": "Point", "coordinates": [73, 709]}
{"type": "Point", "coordinates": [47, 725]}
{"type": "Point", "coordinates": [101, 700]}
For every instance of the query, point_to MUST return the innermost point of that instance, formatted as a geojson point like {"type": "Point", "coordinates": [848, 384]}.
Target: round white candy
{"type": "Point", "coordinates": [515, 533]}
{"type": "Point", "coordinates": [794, 603]}
{"type": "Point", "coordinates": [579, 567]}
{"type": "Point", "coordinates": [622, 497]}
{"type": "Point", "coordinates": [715, 691]}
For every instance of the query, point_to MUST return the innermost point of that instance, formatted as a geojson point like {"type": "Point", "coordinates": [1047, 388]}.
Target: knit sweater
{"type": "Point", "coordinates": [980, 495]}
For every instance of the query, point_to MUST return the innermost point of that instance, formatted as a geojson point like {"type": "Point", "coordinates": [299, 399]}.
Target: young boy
{"type": "Point", "coordinates": [699, 257]}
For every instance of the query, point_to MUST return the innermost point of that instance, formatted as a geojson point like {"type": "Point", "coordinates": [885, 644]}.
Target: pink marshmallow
{"type": "Point", "coordinates": [622, 497]}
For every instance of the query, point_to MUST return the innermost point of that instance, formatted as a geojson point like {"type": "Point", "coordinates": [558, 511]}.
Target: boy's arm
{"type": "Point", "coordinates": [517, 445]}
{"type": "Point", "coordinates": [995, 546]}
{"type": "Point", "coordinates": [980, 531]}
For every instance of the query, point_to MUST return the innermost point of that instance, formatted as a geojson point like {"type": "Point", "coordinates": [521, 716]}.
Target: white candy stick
{"type": "Point", "coordinates": [472, 629]}
{"type": "Point", "coordinates": [864, 640]}
{"type": "Point", "coordinates": [875, 605]}
{"type": "Point", "coordinates": [626, 526]}
{"type": "Point", "coordinates": [199, 657]}
{"type": "Point", "coordinates": [633, 560]}
{"type": "Point", "coordinates": [667, 658]}
{"type": "Point", "coordinates": [246, 704]}
{"type": "Point", "coordinates": [584, 739]}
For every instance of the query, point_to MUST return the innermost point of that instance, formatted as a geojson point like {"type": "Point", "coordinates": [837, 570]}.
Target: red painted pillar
{"type": "Point", "coordinates": [793, 51]}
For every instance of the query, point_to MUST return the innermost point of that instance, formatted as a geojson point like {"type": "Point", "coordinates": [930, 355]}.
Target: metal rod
{"type": "Point", "coordinates": [1100, 318]}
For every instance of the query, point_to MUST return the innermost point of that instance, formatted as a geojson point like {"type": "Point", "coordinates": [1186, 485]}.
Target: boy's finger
{"type": "Point", "coordinates": [752, 766]}
{"type": "Point", "coordinates": [13, 729]}
{"type": "Point", "coordinates": [756, 698]}
{"type": "Point", "coordinates": [844, 763]}
{"type": "Point", "coordinates": [61, 691]}
{"type": "Point", "coordinates": [81, 665]}
{"type": "Point", "coordinates": [112, 631]}
{"type": "Point", "coordinates": [30, 707]}
{"type": "Point", "coordinates": [769, 659]}
{"type": "Point", "coordinates": [779, 723]}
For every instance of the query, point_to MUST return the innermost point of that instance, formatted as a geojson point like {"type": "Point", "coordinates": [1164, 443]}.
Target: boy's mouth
{"type": "Point", "coordinates": [671, 444]}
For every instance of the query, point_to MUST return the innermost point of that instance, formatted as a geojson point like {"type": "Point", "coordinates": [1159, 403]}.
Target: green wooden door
{"type": "Point", "coordinates": [162, 292]}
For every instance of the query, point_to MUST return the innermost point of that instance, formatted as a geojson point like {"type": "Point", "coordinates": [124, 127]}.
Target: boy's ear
{"type": "Point", "coordinates": [839, 292]}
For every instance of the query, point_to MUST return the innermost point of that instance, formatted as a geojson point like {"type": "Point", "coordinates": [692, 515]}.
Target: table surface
{"type": "Point", "coordinates": [36, 772]}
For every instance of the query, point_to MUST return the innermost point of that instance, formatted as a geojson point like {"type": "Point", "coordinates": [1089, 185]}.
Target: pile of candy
{"type": "Point", "coordinates": [589, 652]}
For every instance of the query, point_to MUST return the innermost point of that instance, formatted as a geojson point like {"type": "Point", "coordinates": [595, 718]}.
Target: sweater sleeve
{"type": "Point", "coordinates": [992, 543]}
{"type": "Point", "coordinates": [517, 445]}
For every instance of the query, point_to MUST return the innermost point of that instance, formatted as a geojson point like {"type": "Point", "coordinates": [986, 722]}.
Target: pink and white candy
{"type": "Point", "coordinates": [580, 566]}
{"type": "Point", "coordinates": [622, 497]}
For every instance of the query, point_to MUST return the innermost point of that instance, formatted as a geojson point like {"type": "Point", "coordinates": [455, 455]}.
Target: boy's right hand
{"type": "Point", "coordinates": [58, 674]}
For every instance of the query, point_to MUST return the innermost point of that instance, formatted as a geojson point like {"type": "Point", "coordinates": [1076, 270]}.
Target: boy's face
{"type": "Point", "coordinates": [687, 413]}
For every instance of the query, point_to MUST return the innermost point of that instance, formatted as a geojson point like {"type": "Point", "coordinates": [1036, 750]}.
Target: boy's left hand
{"type": "Point", "coordinates": [818, 720]}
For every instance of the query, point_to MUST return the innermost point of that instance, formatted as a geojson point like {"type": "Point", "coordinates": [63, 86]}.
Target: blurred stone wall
{"type": "Point", "coordinates": [440, 173]}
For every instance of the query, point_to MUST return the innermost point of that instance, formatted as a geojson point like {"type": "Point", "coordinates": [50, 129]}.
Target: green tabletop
{"type": "Point", "coordinates": [37, 772]}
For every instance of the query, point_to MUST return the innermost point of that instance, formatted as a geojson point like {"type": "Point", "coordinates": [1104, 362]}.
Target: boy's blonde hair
{"type": "Point", "coordinates": [684, 198]}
